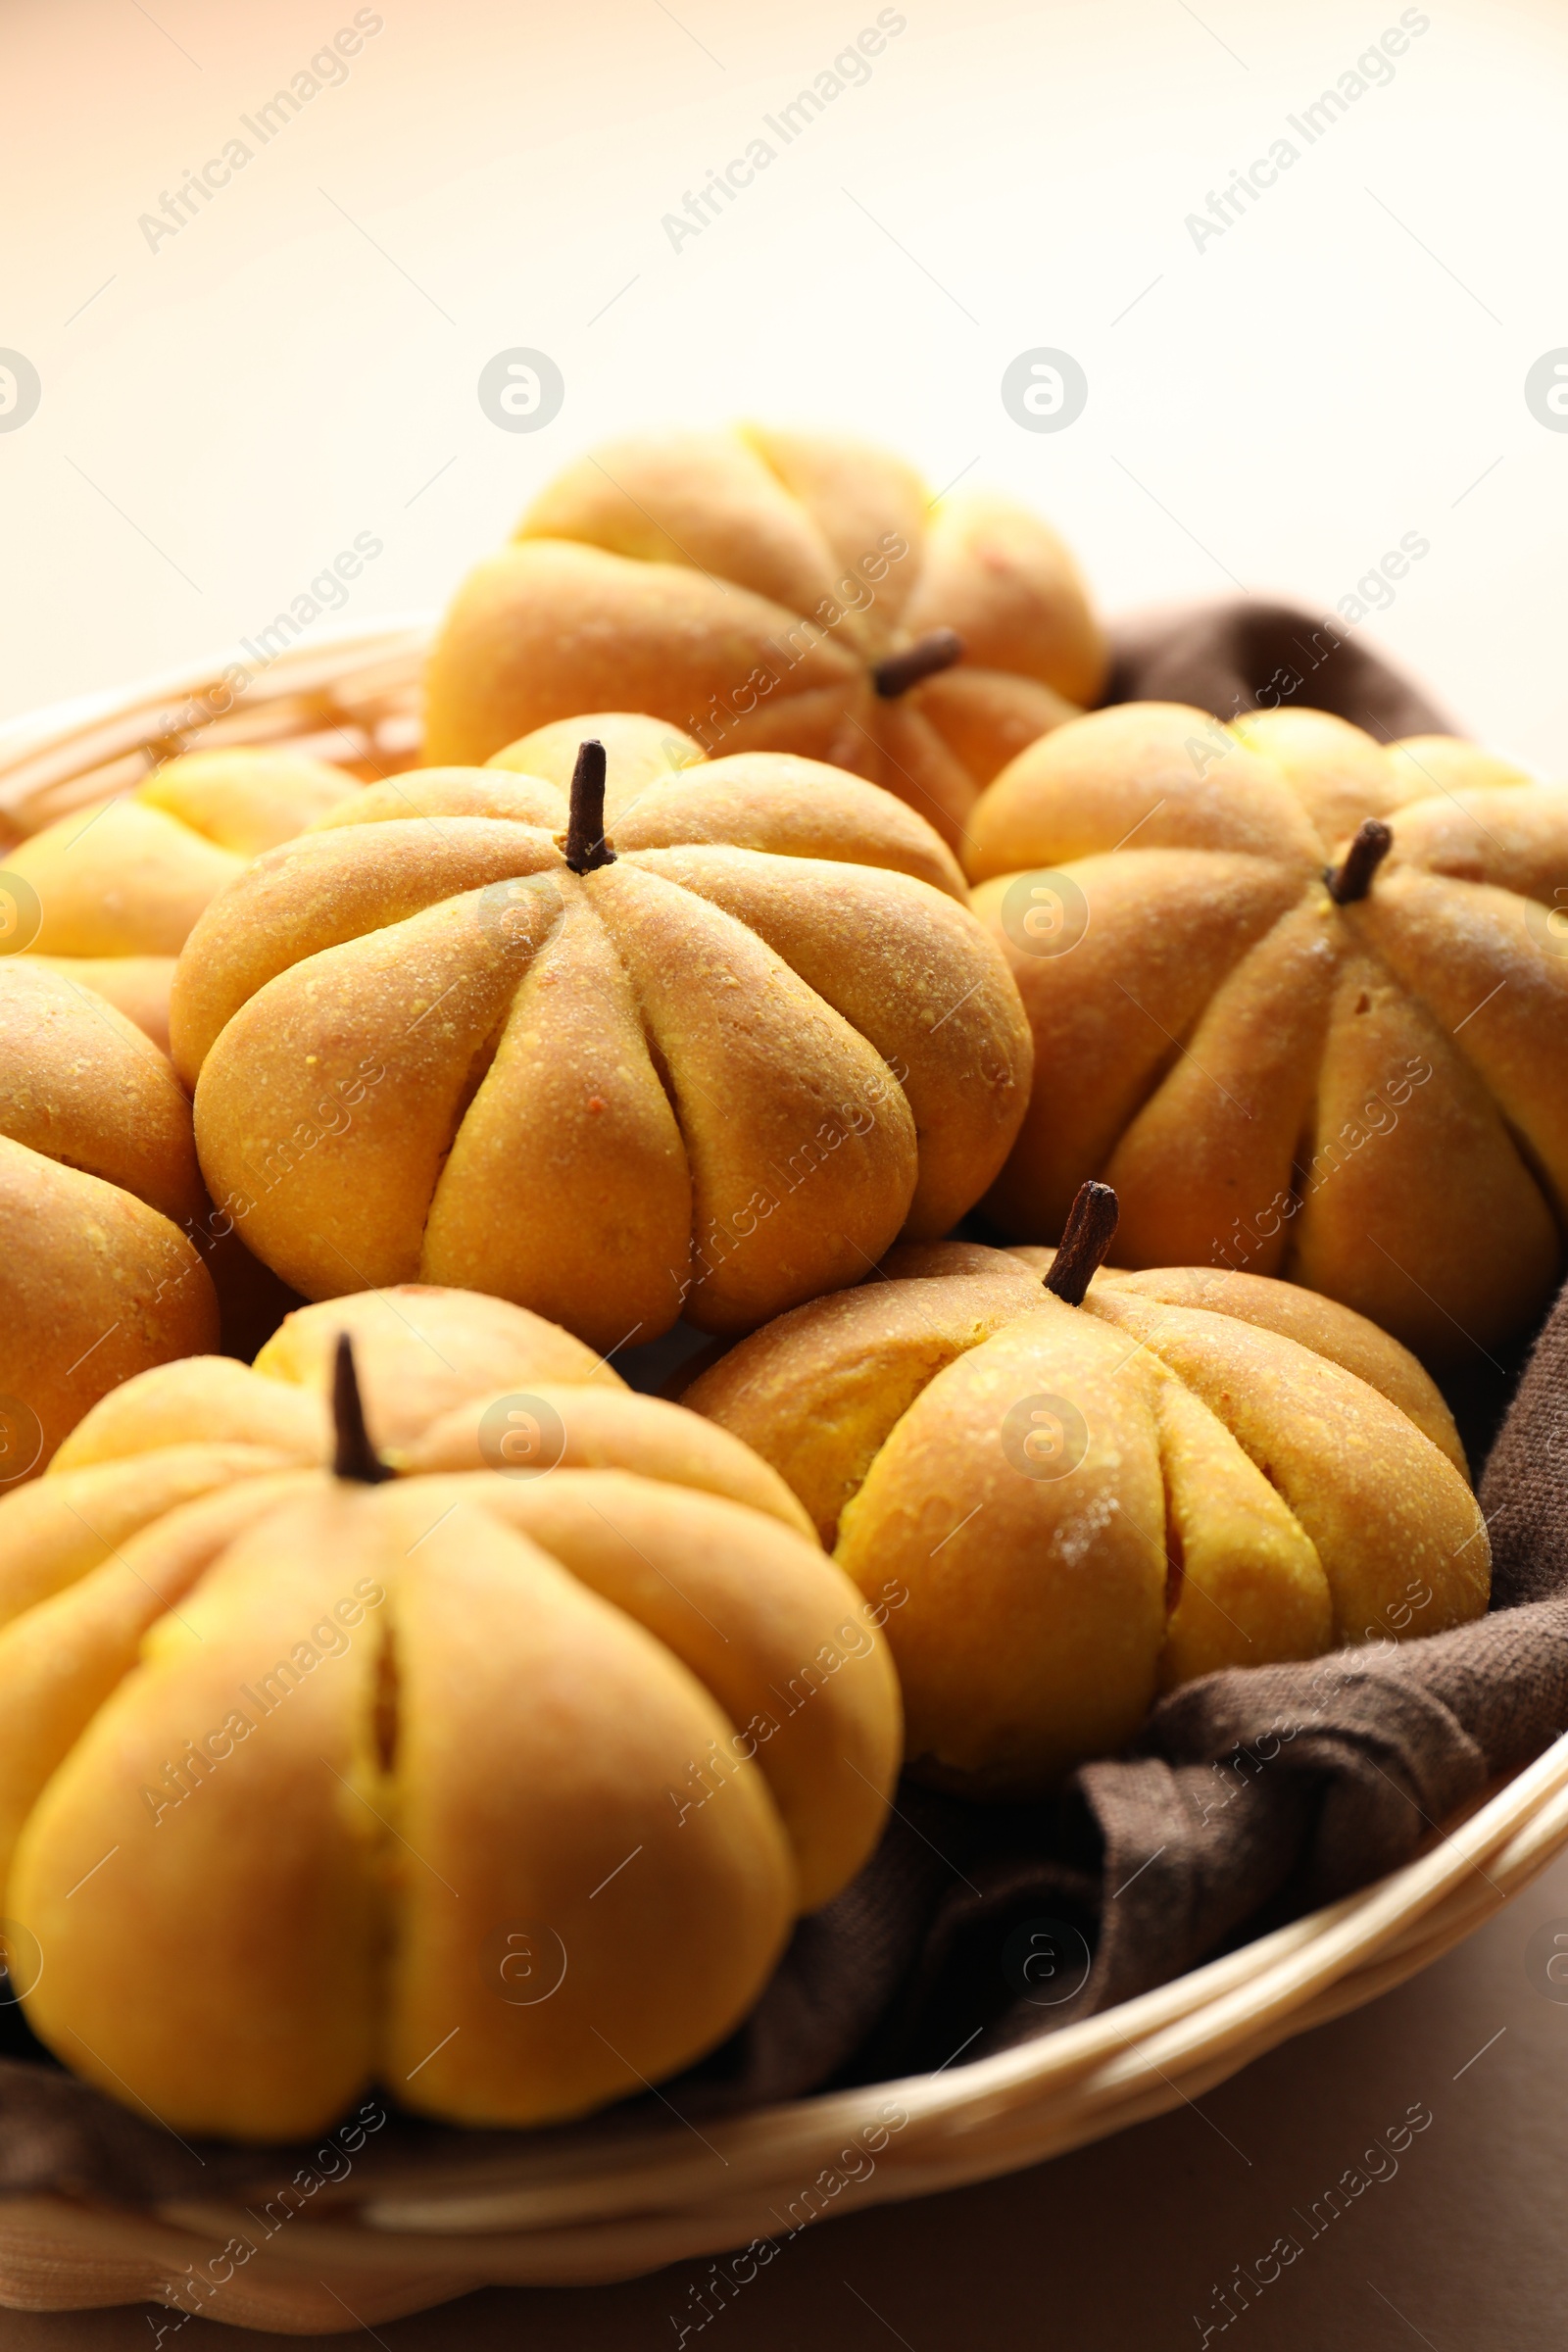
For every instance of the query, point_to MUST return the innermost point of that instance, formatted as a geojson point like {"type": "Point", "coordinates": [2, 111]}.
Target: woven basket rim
{"type": "Point", "coordinates": [616, 2196]}
{"type": "Point", "coordinates": [1151, 2029]}
{"type": "Point", "coordinates": [51, 722]}
{"type": "Point", "coordinates": [385, 2254]}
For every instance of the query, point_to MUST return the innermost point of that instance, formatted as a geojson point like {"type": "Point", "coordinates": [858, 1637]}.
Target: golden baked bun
{"type": "Point", "coordinates": [118, 883]}
{"type": "Point", "coordinates": [500, 1791]}
{"type": "Point", "coordinates": [97, 1171]}
{"type": "Point", "coordinates": [715, 1063]}
{"type": "Point", "coordinates": [773, 590]}
{"type": "Point", "coordinates": [1068, 1501]}
{"type": "Point", "coordinates": [1301, 998]}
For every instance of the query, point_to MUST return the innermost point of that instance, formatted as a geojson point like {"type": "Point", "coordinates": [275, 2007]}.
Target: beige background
{"type": "Point", "coordinates": [299, 363]}
{"type": "Point", "coordinates": [1342, 366]}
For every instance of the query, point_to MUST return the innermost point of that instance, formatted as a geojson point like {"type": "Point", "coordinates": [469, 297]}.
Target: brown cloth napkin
{"type": "Point", "coordinates": [1250, 653]}
{"type": "Point", "coordinates": [1249, 1797]}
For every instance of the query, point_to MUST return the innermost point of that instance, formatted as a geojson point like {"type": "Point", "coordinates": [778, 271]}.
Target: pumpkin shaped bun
{"type": "Point", "coordinates": [1301, 999]}
{"type": "Point", "coordinates": [502, 1787]}
{"type": "Point", "coordinates": [774, 591]}
{"type": "Point", "coordinates": [714, 1061]}
{"type": "Point", "coordinates": [116, 886]}
{"type": "Point", "coordinates": [1074, 1497]}
{"type": "Point", "coordinates": [97, 1171]}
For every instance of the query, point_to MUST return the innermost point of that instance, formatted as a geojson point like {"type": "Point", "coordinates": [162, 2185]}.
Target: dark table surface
{"type": "Point", "coordinates": [1460, 2242]}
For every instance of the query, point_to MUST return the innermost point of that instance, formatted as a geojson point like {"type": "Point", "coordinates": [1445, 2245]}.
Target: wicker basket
{"type": "Point", "coordinates": [629, 2192]}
